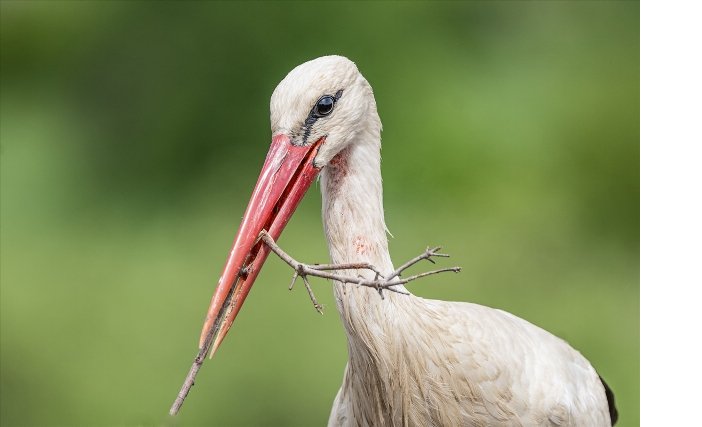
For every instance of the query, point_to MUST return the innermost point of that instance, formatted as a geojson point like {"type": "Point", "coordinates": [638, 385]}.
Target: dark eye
{"type": "Point", "coordinates": [324, 106]}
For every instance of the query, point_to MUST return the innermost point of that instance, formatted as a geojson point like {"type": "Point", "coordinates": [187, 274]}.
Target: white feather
{"type": "Point", "coordinates": [414, 361]}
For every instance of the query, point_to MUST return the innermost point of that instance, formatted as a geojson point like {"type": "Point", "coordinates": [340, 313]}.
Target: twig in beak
{"type": "Point", "coordinates": [325, 271]}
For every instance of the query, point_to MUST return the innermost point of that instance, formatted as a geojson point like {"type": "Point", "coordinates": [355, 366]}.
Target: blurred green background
{"type": "Point", "coordinates": [132, 133]}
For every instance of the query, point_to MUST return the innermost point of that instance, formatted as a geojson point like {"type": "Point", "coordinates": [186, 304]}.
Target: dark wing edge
{"type": "Point", "coordinates": [613, 414]}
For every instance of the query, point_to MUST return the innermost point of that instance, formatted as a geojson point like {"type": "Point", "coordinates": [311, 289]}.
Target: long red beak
{"type": "Point", "coordinates": [286, 175]}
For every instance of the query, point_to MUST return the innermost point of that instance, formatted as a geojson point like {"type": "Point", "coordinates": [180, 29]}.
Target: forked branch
{"type": "Point", "coordinates": [379, 282]}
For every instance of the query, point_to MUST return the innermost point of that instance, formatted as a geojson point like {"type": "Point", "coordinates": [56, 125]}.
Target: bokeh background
{"type": "Point", "coordinates": [132, 133]}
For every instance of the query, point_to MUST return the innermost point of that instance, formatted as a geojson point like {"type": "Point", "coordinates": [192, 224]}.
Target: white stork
{"type": "Point", "coordinates": [412, 361]}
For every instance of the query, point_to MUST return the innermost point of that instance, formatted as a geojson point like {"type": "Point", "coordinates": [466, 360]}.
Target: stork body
{"type": "Point", "coordinates": [412, 361]}
{"type": "Point", "coordinates": [420, 362]}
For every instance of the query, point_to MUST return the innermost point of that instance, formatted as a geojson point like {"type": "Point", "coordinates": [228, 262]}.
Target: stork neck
{"type": "Point", "coordinates": [352, 204]}
{"type": "Point", "coordinates": [354, 222]}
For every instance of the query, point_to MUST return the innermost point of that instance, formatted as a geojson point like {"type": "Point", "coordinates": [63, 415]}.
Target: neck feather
{"type": "Point", "coordinates": [352, 204]}
{"type": "Point", "coordinates": [354, 223]}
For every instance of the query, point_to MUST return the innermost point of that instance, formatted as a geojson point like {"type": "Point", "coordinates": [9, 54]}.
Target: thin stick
{"type": "Point", "coordinates": [292, 282]}
{"type": "Point", "coordinates": [312, 297]}
{"type": "Point", "coordinates": [429, 273]}
{"type": "Point", "coordinates": [426, 255]}
{"type": "Point", "coordinates": [189, 381]}
{"type": "Point", "coordinates": [355, 266]}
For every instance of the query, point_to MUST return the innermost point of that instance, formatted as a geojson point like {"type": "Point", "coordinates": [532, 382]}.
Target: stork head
{"type": "Point", "coordinates": [316, 111]}
{"type": "Point", "coordinates": [325, 98]}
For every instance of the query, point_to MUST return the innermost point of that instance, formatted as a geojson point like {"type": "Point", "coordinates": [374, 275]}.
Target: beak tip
{"type": "Point", "coordinates": [213, 350]}
{"type": "Point", "coordinates": [203, 337]}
